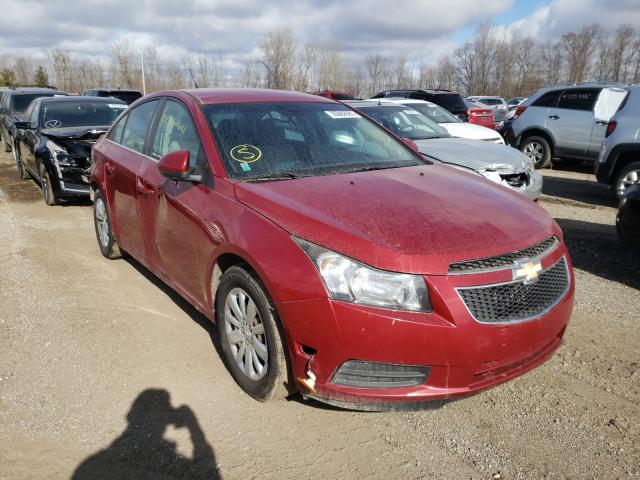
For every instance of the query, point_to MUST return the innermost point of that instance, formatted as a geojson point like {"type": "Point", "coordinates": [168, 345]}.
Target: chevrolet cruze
{"type": "Point", "coordinates": [333, 258]}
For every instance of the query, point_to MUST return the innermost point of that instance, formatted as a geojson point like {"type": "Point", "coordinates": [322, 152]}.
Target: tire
{"type": "Point", "coordinates": [22, 172]}
{"type": "Point", "coordinates": [104, 228]}
{"type": "Point", "coordinates": [538, 149]}
{"type": "Point", "coordinates": [627, 176]}
{"type": "Point", "coordinates": [264, 376]}
{"type": "Point", "coordinates": [48, 194]}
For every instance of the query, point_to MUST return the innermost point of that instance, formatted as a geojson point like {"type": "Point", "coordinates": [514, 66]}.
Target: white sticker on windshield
{"type": "Point", "coordinates": [117, 105]}
{"type": "Point", "coordinates": [342, 114]}
{"type": "Point", "coordinates": [411, 112]}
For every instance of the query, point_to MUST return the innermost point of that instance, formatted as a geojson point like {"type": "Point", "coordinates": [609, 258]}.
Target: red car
{"type": "Point", "coordinates": [481, 114]}
{"type": "Point", "coordinates": [333, 258]}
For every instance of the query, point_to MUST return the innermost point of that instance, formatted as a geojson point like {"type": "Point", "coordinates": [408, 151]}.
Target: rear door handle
{"type": "Point", "coordinates": [145, 188]}
{"type": "Point", "coordinates": [554, 117]}
{"type": "Point", "coordinates": [109, 168]}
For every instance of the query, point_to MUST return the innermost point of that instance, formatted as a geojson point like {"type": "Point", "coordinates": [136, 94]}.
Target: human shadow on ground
{"type": "Point", "coordinates": [141, 452]}
{"type": "Point", "coordinates": [596, 248]}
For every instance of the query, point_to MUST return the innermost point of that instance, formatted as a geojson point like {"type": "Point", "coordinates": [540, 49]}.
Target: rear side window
{"type": "Point", "coordinates": [176, 131]}
{"type": "Point", "coordinates": [116, 132]}
{"type": "Point", "coordinates": [578, 99]}
{"type": "Point", "coordinates": [449, 101]}
{"type": "Point", "coordinates": [137, 126]}
{"type": "Point", "coordinates": [548, 99]}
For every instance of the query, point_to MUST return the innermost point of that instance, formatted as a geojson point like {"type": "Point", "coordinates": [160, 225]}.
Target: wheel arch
{"type": "Point", "coordinates": [539, 132]}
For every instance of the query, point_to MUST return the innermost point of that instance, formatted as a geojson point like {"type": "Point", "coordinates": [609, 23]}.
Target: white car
{"type": "Point", "coordinates": [456, 127]}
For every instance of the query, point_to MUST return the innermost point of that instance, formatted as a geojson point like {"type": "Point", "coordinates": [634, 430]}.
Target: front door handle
{"type": "Point", "coordinates": [554, 117]}
{"type": "Point", "coordinates": [145, 188]}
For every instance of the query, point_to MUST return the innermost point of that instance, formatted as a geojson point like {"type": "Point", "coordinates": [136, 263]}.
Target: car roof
{"type": "Point", "coordinates": [406, 101]}
{"type": "Point", "coordinates": [78, 98]}
{"type": "Point", "coordinates": [207, 96]}
{"type": "Point", "coordinates": [26, 90]}
{"type": "Point", "coordinates": [371, 102]}
{"type": "Point", "coordinates": [124, 90]}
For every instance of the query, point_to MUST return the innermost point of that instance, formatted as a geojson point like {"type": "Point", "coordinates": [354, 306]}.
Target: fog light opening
{"type": "Point", "coordinates": [310, 381]}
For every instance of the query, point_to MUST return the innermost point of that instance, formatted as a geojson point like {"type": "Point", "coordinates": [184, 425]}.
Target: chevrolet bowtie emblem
{"type": "Point", "coordinates": [526, 271]}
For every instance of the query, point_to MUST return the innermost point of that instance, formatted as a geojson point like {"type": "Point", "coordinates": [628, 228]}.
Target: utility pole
{"type": "Point", "coordinates": [144, 86]}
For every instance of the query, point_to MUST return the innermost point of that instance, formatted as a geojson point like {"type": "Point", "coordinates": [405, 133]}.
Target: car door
{"type": "Point", "coordinates": [571, 121]}
{"type": "Point", "coordinates": [124, 154]}
{"type": "Point", "coordinates": [28, 139]}
{"type": "Point", "coordinates": [169, 210]}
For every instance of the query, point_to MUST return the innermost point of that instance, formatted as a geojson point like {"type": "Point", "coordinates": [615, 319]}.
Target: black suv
{"type": "Point", "coordinates": [13, 102]}
{"type": "Point", "coordinates": [127, 96]}
{"type": "Point", "coordinates": [447, 99]}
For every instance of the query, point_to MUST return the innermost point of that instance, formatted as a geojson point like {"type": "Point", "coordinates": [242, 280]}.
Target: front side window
{"type": "Point", "coordinates": [137, 126]}
{"type": "Point", "coordinates": [79, 114]}
{"type": "Point", "coordinates": [578, 99]}
{"type": "Point", "coordinates": [274, 140]}
{"type": "Point", "coordinates": [22, 101]}
{"type": "Point", "coordinates": [176, 131]}
{"type": "Point", "coordinates": [116, 132]}
{"type": "Point", "coordinates": [548, 99]}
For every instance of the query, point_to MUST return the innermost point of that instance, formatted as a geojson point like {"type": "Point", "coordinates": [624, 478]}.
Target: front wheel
{"type": "Point", "coordinates": [250, 336]}
{"type": "Point", "coordinates": [629, 175]}
{"type": "Point", "coordinates": [48, 194]}
{"type": "Point", "coordinates": [104, 228]}
{"type": "Point", "coordinates": [538, 150]}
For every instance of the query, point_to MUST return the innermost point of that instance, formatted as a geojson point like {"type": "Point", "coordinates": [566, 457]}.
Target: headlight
{"type": "Point", "coordinates": [60, 155]}
{"type": "Point", "coordinates": [351, 281]}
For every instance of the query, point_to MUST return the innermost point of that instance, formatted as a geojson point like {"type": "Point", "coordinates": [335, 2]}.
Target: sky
{"type": "Point", "coordinates": [232, 30]}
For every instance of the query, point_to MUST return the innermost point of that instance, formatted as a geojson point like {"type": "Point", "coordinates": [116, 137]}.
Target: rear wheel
{"type": "Point", "coordinates": [250, 335]}
{"type": "Point", "coordinates": [104, 228]}
{"type": "Point", "coordinates": [48, 194]}
{"type": "Point", "coordinates": [538, 150]}
{"type": "Point", "coordinates": [628, 175]}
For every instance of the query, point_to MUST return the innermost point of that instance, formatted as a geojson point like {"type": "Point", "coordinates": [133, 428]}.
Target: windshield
{"type": "Point", "coordinates": [80, 114]}
{"type": "Point", "coordinates": [274, 140]}
{"type": "Point", "coordinates": [434, 113]}
{"type": "Point", "coordinates": [405, 122]}
{"type": "Point", "coordinates": [21, 102]}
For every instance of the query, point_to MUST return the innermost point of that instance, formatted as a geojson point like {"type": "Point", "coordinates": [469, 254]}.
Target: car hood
{"type": "Point", "coordinates": [474, 154]}
{"type": "Point", "coordinates": [76, 140]}
{"type": "Point", "coordinates": [414, 220]}
{"type": "Point", "coordinates": [470, 130]}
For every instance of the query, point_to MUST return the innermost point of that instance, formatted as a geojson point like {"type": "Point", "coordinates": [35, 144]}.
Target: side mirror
{"type": "Point", "coordinates": [22, 125]}
{"type": "Point", "coordinates": [175, 165]}
{"type": "Point", "coordinates": [411, 144]}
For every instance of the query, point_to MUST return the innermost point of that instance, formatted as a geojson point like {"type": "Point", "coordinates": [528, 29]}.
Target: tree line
{"type": "Point", "coordinates": [489, 63]}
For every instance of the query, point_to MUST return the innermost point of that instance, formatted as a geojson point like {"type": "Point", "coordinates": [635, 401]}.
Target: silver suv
{"type": "Point", "coordinates": [619, 162]}
{"type": "Point", "coordinates": [560, 121]}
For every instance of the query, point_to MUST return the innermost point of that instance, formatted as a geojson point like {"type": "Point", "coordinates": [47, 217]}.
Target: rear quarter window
{"type": "Point", "coordinates": [578, 99]}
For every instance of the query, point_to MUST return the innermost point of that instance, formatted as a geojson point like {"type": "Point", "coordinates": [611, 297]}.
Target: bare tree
{"type": "Point", "coordinates": [621, 52]}
{"type": "Point", "coordinates": [578, 50]}
{"type": "Point", "coordinates": [378, 69]}
{"type": "Point", "coordinates": [61, 64]}
{"type": "Point", "coordinates": [278, 58]}
{"type": "Point", "coordinates": [251, 77]}
{"type": "Point", "coordinates": [24, 70]}
{"type": "Point", "coordinates": [551, 62]}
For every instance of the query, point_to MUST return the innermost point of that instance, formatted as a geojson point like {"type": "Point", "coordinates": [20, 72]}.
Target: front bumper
{"type": "Point", "coordinates": [464, 355]}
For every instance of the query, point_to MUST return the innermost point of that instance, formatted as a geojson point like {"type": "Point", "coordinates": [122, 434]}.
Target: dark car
{"type": "Point", "coordinates": [628, 219]}
{"type": "Point", "coordinates": [13, 102]}
{"type": "Point", "coordinates": [335, 95]}
{"type": "Point", "coordinates": [333, 258]}
{"type": "Point", "coordinates": [445, 98]}
{"type": "Point", "coordinates": [54, 140]}
{"type": "Point", "coordinates": [127, 96]}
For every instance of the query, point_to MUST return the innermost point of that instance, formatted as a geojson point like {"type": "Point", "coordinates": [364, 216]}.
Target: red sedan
{"type": "Point", "coordinates": [480, 114]}
{"type": "Point", "coordinates": [334, 259]}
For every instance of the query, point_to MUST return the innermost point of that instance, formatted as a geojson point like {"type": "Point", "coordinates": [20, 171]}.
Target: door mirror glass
{"type": "Point", "coordinates": [175, 165]}
{"type": "Point", "coordinates": [608, 103]}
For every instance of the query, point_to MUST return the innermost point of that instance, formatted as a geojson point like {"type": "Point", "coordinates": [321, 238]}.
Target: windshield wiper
{"type": "Point", "coordinates": [274, 176]}
{"type": "Point", "coordinates": [368, 169]}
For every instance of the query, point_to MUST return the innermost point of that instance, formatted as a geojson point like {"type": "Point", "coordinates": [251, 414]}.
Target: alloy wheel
{"type": "Point", "coordinates": [629, 179]}
{"type": "Point", "coordinates": [246, 334]}
{"type": "Point", "coordinates": [534, 151]}
{"type": "Point", "coordinates": [102, 222]}
{"type": "Point", "coordinates": [45, 187]}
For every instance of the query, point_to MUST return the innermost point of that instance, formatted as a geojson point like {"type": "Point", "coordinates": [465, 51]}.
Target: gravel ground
{"type": "Point", "coordinates": [100, 360]}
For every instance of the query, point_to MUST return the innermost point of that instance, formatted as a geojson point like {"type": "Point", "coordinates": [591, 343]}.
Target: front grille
{"type": "Point", "coordinates": [515, 180]}
{"type": "Point", "coordinates": [503, 261]}
{"type": "Point", "coordinates": [516, 301]}
{"type": "Point", "coordinates": [355, 373]}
